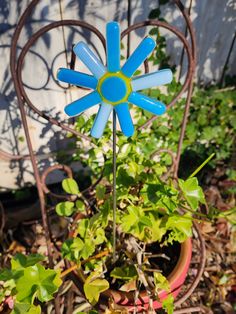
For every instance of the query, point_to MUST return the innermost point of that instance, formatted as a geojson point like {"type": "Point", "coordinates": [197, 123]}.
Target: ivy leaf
{"type": "Point", "coordinates": [125, 273]}
{"type": "Point", "coordinates": [24, 308]}
{"type": "Point", "coordinates": [180, 227]}
{"type": "Point", "coordinates": [131, 219]}
{"type": "Point", "coordinates": [20, 261]}
{"type": "Point", "coordinates": [80, 205]}
{"type": "Point", "coordinates": [83, 227]}
{"type": "Point", "coordinates": [39, 282]}
{"type": "Point", "coordinates": [168, 304]}
{"type": "Point", "coordinates": [5, 274]}
{"type": "Point", "coordinates": [155, 13]}
{"type": "Point", "coordinates": [100, 236]}
{"type": "Point", "coordinates": [71, 249]}
{"type": "Point", "coordinates": [192, 192]}
{"type": "Point", "coordinates": [133, 169]}
{"type": "Point", "coordinates": [88, 248]}
{"type": "Point", "coordinates": [161, 283]}
{"type": "Point", "coordinates": [70, 186]}
{"type": "Point", "coordinates": [65, 208]}
{"type": "Point", "coordinates": [94, 288]}
{"type": "Point", "coordinates": [100, 191]}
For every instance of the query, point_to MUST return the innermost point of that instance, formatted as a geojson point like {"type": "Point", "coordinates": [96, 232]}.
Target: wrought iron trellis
{"type": "Point", "coordinates": [16, 65]}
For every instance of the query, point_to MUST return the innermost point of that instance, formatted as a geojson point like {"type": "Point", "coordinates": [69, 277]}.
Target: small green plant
{"type": "Point", "coordinates": [149, 210]}
{"type": "Point", "coordinates": [28, 282]}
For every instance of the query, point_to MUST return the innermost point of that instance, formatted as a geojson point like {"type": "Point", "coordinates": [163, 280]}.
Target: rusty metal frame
{"type": "Point", "coordinates": [16, 65]}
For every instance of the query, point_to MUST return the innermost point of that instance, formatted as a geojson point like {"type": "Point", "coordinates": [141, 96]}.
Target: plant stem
{"type": "Point", "coordinates": [114, 185]}
{"type": "Point", "coordinates": [77, 266]}
{"type": "Point", "coordinates": [202, 165]}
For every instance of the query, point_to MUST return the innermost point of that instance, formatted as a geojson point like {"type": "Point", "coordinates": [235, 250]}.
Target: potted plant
{"type": "Point", "coordinates": [153, 226]}
{"type": "Point", "coordinates": [129, 237]}
{"type": "Point", "coordinates": [120, 244]}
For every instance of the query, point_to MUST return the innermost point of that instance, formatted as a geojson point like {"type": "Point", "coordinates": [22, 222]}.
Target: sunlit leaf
{"type": "Point", "coordinates": [70, 186]}
{"type": "Point", "coordinates": [65, 208]}
{"type": "Point", "coordinates": [94, 288]}
{"type": "Point", "coordinates": [192, 192]}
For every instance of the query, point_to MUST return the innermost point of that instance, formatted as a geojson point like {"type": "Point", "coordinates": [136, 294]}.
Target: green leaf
{"type": "Point", "coordinates": [65, 208]}
{"type": "Point", "coordinates": [130, 220]}
{"type": "Point", "coordinates": [37, 282]}
{"type": "Point", "coordinates": [100, 236]}
{"type": "Point", "coordinates": [125, 273]}
{"type": "Point", "coordinates": [71, 249]}
{"type": "Point", "coordinates": [161, 283]}
{"type": "Point", "coordinates": [88, 248]}
{"type": "Point", "coordinates": [20, 261]}
{"type": "Point", "coordinates": [80, 205]}
{"type": "Point", "coordinates": [180, 227]}
{"type": "Point", "coordinates": [100, 191]}
{"type": "Point", "coordinates": [24, 308]}
{"type": "Point", "coordinates": [155, 13]}
{"type": "Point", "coordinates": [70, 186]}
{"type": "Point", "coordinates": [5, 274]}
{"type": "Point", "coordinates": [168, 304]}
{"type": "Point", "coordinates": [94, 288]}
{"type": "Point", "coordinates": [83, 227]}
{"type": "Point", "coordinates": [192, 192]}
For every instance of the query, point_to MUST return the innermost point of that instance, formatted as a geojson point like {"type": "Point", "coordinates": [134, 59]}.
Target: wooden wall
{"type": "Point", "coordinates": [214, 23]}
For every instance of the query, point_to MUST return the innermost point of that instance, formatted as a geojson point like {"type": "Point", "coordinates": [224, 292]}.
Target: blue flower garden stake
{"type": "Point", "coordinates": [114, 86]}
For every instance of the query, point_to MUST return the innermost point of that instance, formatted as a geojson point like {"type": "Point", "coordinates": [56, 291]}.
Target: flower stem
{"type": "Point", "coordinates": [114, 185]}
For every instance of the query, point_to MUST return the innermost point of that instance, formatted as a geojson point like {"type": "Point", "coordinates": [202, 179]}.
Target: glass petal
{"type": "Point", "coordinates": [80, 105]}
{"type": "Point", "coordinates": [147, 103]}
{"type": "Point", "coordinates": [77, 78]}
{"type": "Point", "coordinates": [101, 120]}
{"type": "Point", "coordinates": [152, 79]}
{"type": "Point", "coordinates": [89, 59]}
{"type": "Point", "coordinates": [125, 120]}
{"type": "Point", "coordinates": [138, 56]}
{"type": "Point", "coordinates": [113, 47]}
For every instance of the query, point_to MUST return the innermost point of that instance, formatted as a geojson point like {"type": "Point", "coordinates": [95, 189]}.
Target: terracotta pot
{"type": "Point", "coordinates": [176, 280]}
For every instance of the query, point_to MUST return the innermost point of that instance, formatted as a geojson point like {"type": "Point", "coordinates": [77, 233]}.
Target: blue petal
{"type": "Point", "coordinates": [152, 79]}
{"type": "Point", "coordinates": [138, 56]}
{"type": "Point", "coordinates": [80, 105]}
{"type": "Point", "coordinates": [113, 46]}
{"type": "Point", "coordinates": [146, 103]}
{"type": "Point", "coordinates": [101, 120]}
{"type": "Point", "coordinates": [89, 59]}
{"type": "Point", "coordinates": [76, 78]}
{"type": "Point", "coordinates": [125, 120]}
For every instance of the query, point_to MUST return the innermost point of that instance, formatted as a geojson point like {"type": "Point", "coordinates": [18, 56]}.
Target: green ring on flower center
{"type": "Point", "coordinates": [114, 88]}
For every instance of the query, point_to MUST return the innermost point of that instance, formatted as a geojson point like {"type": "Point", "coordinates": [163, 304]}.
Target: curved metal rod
{"type": "Point", "coordinates": [189, 27]}
{"type": "Point", "coordinates": [187, 48]}
{"type": "Point", "coordinates": [27, 47]}
{"type": "Point", "coordinates": [190, 91]}
{"type": "Point", "coordinates": [13, 54]}
{"type": "Point", "coordinates": [50, 169]}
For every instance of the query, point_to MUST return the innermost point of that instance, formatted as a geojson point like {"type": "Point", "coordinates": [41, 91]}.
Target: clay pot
{"type": "Point", "coordinates": [176, 280]}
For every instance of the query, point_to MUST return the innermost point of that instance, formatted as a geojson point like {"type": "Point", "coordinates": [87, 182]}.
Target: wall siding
{"type": "Point", "coordinates": [214, 23]}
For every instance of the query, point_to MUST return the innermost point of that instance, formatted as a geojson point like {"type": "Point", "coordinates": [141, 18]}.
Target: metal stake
{"type": "Point", "coordinates": [114, 184]}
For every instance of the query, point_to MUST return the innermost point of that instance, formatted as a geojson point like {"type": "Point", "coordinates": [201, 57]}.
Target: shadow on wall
{"type": "Point", "coordinates": [53, 50]}
{"type": "Point", "coordinates": [41, 63]}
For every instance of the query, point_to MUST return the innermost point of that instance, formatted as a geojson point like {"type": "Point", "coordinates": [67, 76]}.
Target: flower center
{"type": "Point", "coordinates": [114, 88]}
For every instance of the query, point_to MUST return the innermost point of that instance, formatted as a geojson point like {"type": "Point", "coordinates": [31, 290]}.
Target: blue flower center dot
{"type": "Point", "coordinates": [113, 88]}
